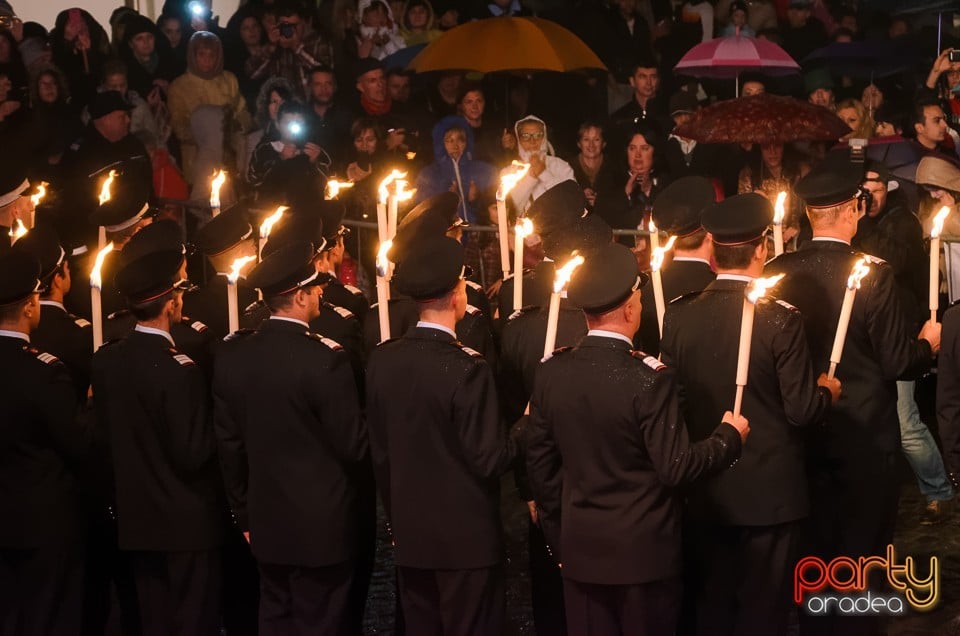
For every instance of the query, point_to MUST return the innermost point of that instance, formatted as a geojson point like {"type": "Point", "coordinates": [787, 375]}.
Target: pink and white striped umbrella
{"type": "Point", "coordinates": [728, 57]}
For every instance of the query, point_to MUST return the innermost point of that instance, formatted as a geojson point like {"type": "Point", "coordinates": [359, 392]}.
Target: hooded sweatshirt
{"type": "Point", "coordinates": [445, 173]}
{"type": "Point", "coordinates": [195, 88]}
{"type": "Point", "coordinates": [389, 33]}
{"type": "Point", "coordinates": [531, 187]}
{"type": "Point", "coordinates": [430, 31]}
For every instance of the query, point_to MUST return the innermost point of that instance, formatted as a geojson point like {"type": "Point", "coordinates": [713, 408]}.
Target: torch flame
{"type": "Point", "coordinates": [524, 227]}
{"type": "Point", "coordinates": [18, 232]}
{"type": "Point", "coordinates": [651, 226]}
{"type": "Point", "coordinates": [95, 280]}
{"type": "Point", "coordinates": [334, 187]}
{"type": "Point", "coordinates": [215, 185]}
{"type": "Point", "coordinates": [779, 211]}
{"type": "Point", "coordinates": [760, 286]}
{"type": "Point", "coordinates": [238, 264]}
{"type": "Point", "coordinates": [860, 269]}
{"type": "Point", "coordinates": [938, 222]}
{"type": "Point", "coordinates": [384, 189]}
{"type": "Point", "coordinates": [656, 260]}
{"type": "Point", "coordinates": [383, 263]}
{"type": "Point", "coordinates": [510, 179]}
{"type": "Point", "coordinates": [401, 191]}
{"type": "Point", "coordinates": [105, 188]}
{"type": "Point", "coordinates": [41, 192]}
{"type": "Point", "coordinates": [565, 272]}
{"type": "Point", "coordinates": [411, 156]}
{"type": "Point", "coordinates": [270, 221]}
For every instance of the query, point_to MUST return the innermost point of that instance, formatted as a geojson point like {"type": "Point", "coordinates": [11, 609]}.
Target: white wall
{"type": "Point", "coordinates": [45, 11]}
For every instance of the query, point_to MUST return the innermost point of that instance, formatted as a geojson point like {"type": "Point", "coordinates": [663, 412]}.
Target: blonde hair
{"type": "Point", "coordinates": [867, 127]}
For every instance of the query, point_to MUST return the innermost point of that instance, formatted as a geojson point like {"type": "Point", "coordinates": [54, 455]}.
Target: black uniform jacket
{"type": "Point", "coordinates": [878, 349]}
{"type": "Point", "coordinates": [289, 431]}
{"type": "Point", "coordinates": [438, 449]}
{"type": "Point", "coordinates": [209, 304]}
{"type": "Point", "coordinates": [605, 444]}
{"type": "Point", "coordinates": [41, 447]}
{"type": "Point", "coordinates": [153, 403]}
{"type": "Point", "coordinates": [68, 337]}
{"type": "Point", "coordinates": [701, 340]}
{"type": "Point", "coordinates": [679, 277]}
{"type": "Point", "coordinates": [948, 389]}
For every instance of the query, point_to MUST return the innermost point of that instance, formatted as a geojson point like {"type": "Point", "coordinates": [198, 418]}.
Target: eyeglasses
{"type": "Point", "coordinates": [537, 136]}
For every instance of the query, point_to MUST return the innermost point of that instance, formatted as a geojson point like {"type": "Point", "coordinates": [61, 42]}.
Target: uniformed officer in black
{"type": "Point", "coordinates": [331, 257]}
{"type": "Point", "coordinates": [154, 407]}
{"type": "Point", "coordinates": [223, 240]}
{"type": "Point", "coordinates": [743, 524]}
{"type": "Point", "coordinates": [42, 448]}
{"type": "Point", "coordinates": [439, 449]}
{"type": "Point", "coordinates": [948, 391]}
{"type": "Point", "coordinates": [559, 207]}
{"type": "Point", "coordinates": [66, 336]}
{"type": "Point", "coordinates": [290, 436]}
{"type": "Point", "coordinates": [14, 205]}
{"type": "Point", "coordinates": [677, 211]}
{"type": "Point", "coordinates": [192, 336]}
{"type": "Point", "coordinates": [127, 211]}
{"type": "Point", "coordinates": [334, 322]}
{"type": "Point", "coordinates": [434, 217]}
{"type": "Point", "coordinates": [852, 459]}
{"type": "Point", "coordinates": [605, 446]}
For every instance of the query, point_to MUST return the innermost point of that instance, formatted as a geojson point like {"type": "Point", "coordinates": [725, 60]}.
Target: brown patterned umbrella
{"type": "Point", "coordinates": [763, 119]}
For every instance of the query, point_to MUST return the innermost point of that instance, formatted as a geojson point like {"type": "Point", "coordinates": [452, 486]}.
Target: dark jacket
{"type": "Point", "coordinates": [606, 443]}
{"type": "Point", "coordinates": [701, 338]}
{"type": "Point", "coordinates": [438, 449]}
{"type": "Point", "coordinates": [70, 338]}
{"type": "Point", "coordinates": [679, 277]}
{"type": "Point", "coordinates": [878, 349]}
{"type": "Point", "coordinates": [154, 407]}
{"type": "Point", "coordinates": [948, 389]}
{"type": "Point", "coordinates": [41, 448]}
{"type": "Point", "coordinates": [290, 434]}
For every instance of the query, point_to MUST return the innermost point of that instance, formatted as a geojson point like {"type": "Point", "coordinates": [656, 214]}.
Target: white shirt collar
{"type": "Point", "coordinates": [423, 324]}
{"type": "Point", "coordinates": [739, 277]}
{"type": "Point", "coordinates": [155, 332]}
{"type": "Point", "coordinates": [831, 239]}
{"type": "Point", "coordinates": [603, 333]}
{"type": "Point", "coordinates": [294, 320]}
{"type": "Point", "coordinates": [691, 259]}
{"type": "Point", "coordinates": [15, 334]}
{"type": "Point", "coordinates": [53, 303]}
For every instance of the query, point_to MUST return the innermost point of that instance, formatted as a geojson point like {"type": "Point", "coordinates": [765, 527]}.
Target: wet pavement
{"type": "Point", "coordinates": [912, 539]}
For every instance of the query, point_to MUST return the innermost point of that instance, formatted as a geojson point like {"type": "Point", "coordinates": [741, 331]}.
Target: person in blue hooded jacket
{"type": "Point", "coordinates": [454, 170]}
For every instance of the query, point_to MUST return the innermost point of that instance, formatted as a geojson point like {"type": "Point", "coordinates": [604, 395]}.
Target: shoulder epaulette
{"type": "Point", "coordinates": [80, 322]}
{"type": "Point", "coordinates": [388, 341]}
{"type": "Point", "coordinates": [470, 352]}
{"type": "Point", "coordinates": [342, 311]}
{"type": "Point", "coordinates": [686, 296]}
{"type": "Point", "coordinates": [374, 305]}
{"type": "Point", "coordinates": [787, 305]}
{"type": "Point", "coordinates": [254, 306]}
{"type": "Point", "coordinates": [118, 314]}
{"type": "Point", "coordinates": [475, 285]}
{"type": "Point", "coordinates": [196, 325]}
{"type": "Point", "coordinates": [353, 290]}
{"type": "Point", "coordinates": [182, 359]}
{"type": "Point", "coordinates": [555, 352]}
{"type": "Point", "coordinates": [42, 356]}
{"type": "Point", "coordinates": [648, 360]}
{"type": "Point", "coordinates": [874, 259]}
{"type": "Point", "coordinates": [473, 311]}
{"type": "Point", "coordinates": [332, 344]}
{"type": "Point", "coordinates": [239, 333]}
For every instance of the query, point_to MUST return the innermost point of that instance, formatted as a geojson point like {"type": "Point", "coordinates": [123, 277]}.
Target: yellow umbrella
{"type": "Point", "coordinates": [507, 44]}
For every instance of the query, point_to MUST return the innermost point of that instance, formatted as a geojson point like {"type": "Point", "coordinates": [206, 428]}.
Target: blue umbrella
{"type": "Point", "coordinates": [862, 59]}
{"type": "Point", "coordinates": [403, 57]}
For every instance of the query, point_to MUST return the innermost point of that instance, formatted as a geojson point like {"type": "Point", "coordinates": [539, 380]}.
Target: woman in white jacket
{"type": "Point", "coordinates": [545, 170]}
